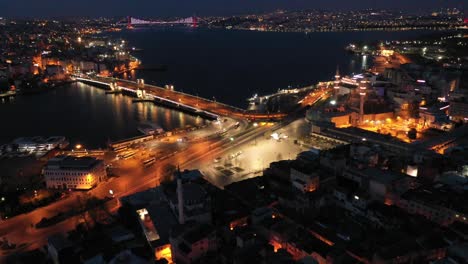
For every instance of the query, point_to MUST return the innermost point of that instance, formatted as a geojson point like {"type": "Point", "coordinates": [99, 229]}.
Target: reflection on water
{"type": "Point", "coordinates": [365, 65]}
{"type": "Point", "coordinates": [84, 114]}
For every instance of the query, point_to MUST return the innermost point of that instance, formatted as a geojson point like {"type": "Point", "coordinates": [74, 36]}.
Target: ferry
{"type": "Point", "coordinates": [148, 128]}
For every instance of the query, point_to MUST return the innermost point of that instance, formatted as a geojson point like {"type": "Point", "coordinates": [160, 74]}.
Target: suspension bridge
{"type": "Point", "coordinates": [132, 22]}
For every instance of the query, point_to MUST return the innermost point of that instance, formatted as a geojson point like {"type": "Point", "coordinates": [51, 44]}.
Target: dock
{"type": "Point", "coordinates": [7, 95]}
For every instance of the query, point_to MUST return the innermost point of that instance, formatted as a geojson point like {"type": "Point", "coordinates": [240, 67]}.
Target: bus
{"type": "Point", "coordinates": [149, 162]}
{"type": "Point", "coordinates": [126, 155]}
{"type": "Point", "coordinates": [120, 149]}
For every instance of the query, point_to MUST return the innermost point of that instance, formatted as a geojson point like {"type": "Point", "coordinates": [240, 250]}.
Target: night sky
{"type": "Point", "coordinates": [158, 8]}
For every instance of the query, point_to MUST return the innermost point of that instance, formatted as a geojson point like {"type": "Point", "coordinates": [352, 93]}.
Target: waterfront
{"type": "Point", "coordinates": [226, 65]}
{"type": "Point", "coordinates": [85, 115]}
{"type": "Point", "coordinates": [232, 65]}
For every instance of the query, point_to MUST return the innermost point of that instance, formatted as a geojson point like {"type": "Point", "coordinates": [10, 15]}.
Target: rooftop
{"type": "Point", "coordinates": [71, 162]}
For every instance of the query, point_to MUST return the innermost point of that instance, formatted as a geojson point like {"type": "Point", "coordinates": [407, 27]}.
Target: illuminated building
{"type": "Point", "coordinates": [39, 143]}
{"type": "Point", "coordinates": [67, 172]}
{"type": "Point", "coordinates": [304, 179]}
{"type": "Point", "coordinates": [156, 221]}
{"type": "Point", "coordinates": [387, 53]}
{"type": "Point", "coordinates": [459, 111]}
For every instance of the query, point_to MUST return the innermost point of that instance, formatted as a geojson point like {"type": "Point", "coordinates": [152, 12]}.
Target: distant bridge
{"type": "Point", "coordinates": [133, 22]}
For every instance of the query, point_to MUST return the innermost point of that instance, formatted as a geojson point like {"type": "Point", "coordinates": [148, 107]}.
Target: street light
{"type": "Point", "coordinates": [78, 146]}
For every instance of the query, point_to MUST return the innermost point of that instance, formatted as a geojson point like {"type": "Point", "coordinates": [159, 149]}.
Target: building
{"type": "Point", "coordinates": [195, 202]}
{"type": "Point", "coordinates": [26, 144]}
{"type": "Point", "coordinates": [458, 111]}
{"type": "Point", "coordinates": [304, 178]}
{"type": "Point", "coordinates": [438, 203]}
{"type": "Point", "coordinates": [192, 241]}
{"type": "Point", "coordinates": [59, 249]}
{"type": "Point", "coordinates": [156, 221]}
{"type": "Point", "coordinates": [67, 172]}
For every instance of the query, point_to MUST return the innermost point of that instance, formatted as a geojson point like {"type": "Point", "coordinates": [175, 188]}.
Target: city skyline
{"type": "Point", "coordinates": [234, 132]}
{"type": "Point", "coordinates": [56, 9]}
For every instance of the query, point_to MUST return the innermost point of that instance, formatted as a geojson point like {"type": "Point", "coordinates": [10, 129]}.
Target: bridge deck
{"type": "Point", "coordinates": [188, 100]}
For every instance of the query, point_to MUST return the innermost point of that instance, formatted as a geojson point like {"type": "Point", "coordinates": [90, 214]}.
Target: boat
{"type": "Point", "coordinates": [148, 128]}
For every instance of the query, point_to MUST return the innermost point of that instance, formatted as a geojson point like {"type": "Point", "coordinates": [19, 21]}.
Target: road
{"type": "Point", "coordinates": [19, 230]}
{"type": "Point", "coordinates": [252, 139]}
{"type": "Point", "coordinates": [212, 106]}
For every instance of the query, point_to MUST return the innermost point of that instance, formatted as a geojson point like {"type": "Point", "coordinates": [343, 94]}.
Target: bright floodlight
{"type": "Point", "coordinates": [275, 136]}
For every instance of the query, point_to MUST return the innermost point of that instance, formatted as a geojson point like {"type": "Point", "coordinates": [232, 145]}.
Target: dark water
{"type": "Point", "coordinates": [233, 65]}
{"type": "Point", "coordinates": [84, 114]}
{"type": "Point", "coordinates": [227, 65]}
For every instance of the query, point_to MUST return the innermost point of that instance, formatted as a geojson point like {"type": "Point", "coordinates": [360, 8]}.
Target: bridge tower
{"type": "Point", "coordinates": [129, 22]}
{"type": "Point", "coordinates": [194, 21]}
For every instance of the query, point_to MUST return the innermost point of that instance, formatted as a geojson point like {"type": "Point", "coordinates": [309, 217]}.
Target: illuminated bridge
{"type": "Point", "coordinates": [131, 22]}
{"type": "Point", "coordinates": [177, 100]}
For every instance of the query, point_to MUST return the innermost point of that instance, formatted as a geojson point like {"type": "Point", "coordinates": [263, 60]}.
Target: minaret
{"type": "Point", "coordinates": [180, 197]}
{"type": "Point", "coordinates": [362, 95]}
{"type": "Point", "coordinates": [336, 86]}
